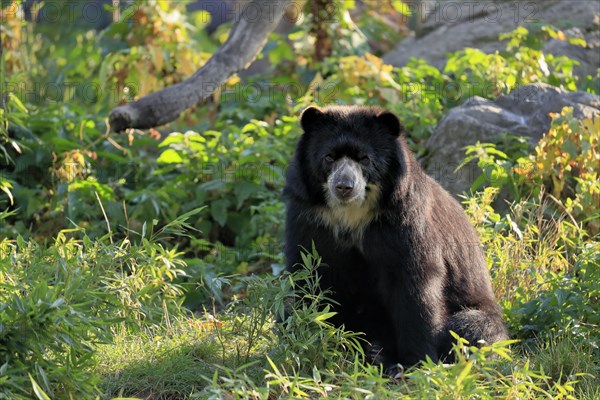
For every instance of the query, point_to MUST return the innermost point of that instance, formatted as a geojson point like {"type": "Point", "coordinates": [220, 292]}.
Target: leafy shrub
{"type": "Point", "coordinates": [152, 46]}
{"type": "Point", "coordinates": [544, 272]}
{"type": "Point", "coordinates": [233, 171]}
{"type": "Point", "coordinates": [566, 164]}
{"type": "Point", "coordinates": [570, 302]}
{"type": "Point", "coordinates": [498, 169]}
{"type": "Point", "coordinates": [59, 302]}
{"type": "Point", "coordinates": [12, 120]}
{"type": "Point", "coordinates": [488, 75]}
{"type": "Point", "coordinates": [49, 319]}
{"type": "Point", "coordinates": [305, 342]}
{"type": "Point", "coordinates": [307, 339]}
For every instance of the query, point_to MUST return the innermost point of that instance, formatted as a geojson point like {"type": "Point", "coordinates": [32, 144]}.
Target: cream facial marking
{"type": "Point", "coordinates": [351, 201]}
{"type": "Point", "coordinates": [346, 183]}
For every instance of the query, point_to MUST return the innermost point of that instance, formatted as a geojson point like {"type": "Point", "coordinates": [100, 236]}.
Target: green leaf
{"type": "Point", "coordinates": [57, 303]}
{"type": "Point", "coordinates": [492, 150]}
{"type": "Point", "coordinates": [174, 137]}
{"type": "Point", "coordinates": [479, 181]}
{"type": "Point", "coordinates": [212, 185]}
{"type": "Point", "coordinates": [14, 100]}
{"type": "Point", "coordinates": [570, 147]}
{"type": "Point", "coordinates": [401, 7]}
{"type": "Point", "coordinates": [325, 316]}
{"type": "Point", "coordinates": [243, 190]}
{"type": "Point", "coordinates": [5, 186]}
{"type": "Point", "coordinates": [218, 210]}
{"type": "Point", "coordinates": [550, 31]}
{"type": "Point", "coordinates": [201, 18]}
{"type": "Point", "coordinates": [170, 156]}
{"type": "Point", "coordinates": [578, 42]}
{"type": "Point", "coordinates": [279, 54]}
{"type": "Point", "coordinates": [273, 366]}
{"type": "Point", "coordinates": [511, 81]}
{"type": "Point", "coordinates": [39, 393]}
{"type": "Point", "coordinates": [463, 374]}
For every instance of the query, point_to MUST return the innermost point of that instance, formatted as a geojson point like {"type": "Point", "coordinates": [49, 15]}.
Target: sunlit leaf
{"type": "Point", "coordinates": [170, 156]}
{"type": "Point", "coordinates": [402, 7]}
{"type": "Point", "coordinates": [39, 393]}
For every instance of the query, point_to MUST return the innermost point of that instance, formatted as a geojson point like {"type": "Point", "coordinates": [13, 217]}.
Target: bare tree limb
{"type": "Point", "coordinates": [247, 37]}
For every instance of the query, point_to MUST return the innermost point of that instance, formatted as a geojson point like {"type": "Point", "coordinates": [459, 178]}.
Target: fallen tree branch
{"type": "Point", "coordinates": [247, 37]}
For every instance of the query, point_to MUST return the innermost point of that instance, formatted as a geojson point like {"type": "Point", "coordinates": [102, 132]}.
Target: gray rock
{"type": "Point", "coordinates": [522, 112]}
{"type": "Point", "coordinates": [453, 26]}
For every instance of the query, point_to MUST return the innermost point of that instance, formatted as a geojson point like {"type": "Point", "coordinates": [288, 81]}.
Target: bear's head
{"type": "Point", "coordinates": [349, 155]}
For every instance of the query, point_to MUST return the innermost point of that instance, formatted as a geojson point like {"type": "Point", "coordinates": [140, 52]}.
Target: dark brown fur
{"type": "Point", "coordinates": [415, 269]}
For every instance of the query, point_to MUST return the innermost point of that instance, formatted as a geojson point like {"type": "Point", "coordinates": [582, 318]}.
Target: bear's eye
{"type": "Point", "coordinates": [329, 159]}
{"type": "Point", "coordinates": [365, 160]}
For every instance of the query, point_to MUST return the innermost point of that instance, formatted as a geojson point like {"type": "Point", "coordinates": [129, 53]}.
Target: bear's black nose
{"type": "Point", "coordinates": [344, 188]}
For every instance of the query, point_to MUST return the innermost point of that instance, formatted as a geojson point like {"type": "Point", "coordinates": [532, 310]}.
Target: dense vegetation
{"type": "Point", "coordinates": [149, 264]}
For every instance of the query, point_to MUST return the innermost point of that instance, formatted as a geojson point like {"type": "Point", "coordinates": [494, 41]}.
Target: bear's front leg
{"type": "Point", "coordinates": [417, 313]}
{"type": "Point", "coordinates": [415, 334]}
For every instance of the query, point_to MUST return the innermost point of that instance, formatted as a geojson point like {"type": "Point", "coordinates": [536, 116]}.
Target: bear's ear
{"type": "Point", "coordinates": [310, 117]}
{"type": "Point", "coordinates": [390, 122]}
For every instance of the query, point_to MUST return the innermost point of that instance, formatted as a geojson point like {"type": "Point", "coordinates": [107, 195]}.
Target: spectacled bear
{"type": "Point", "coordinates": [402, 261]}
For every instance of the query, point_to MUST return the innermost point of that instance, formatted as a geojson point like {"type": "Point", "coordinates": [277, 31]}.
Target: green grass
{"type": "Point", "coordinates": [568, 357]}
{"type": "Point", "coordinates": [186, 362]}
{"type": "Point", "coordinates": [165, 362]}
{"type": "Point", "coordinates": [87, 319]}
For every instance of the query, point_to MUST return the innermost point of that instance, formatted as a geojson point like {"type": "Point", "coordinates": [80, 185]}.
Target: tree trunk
{"type": "Point", "coordinates": [322, 12]}
{"type": "Point", "coordinates": [247, 37]}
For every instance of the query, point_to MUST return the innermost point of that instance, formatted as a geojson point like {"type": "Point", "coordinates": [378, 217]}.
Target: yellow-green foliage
{"type": "Point", "coordinates": [567, 162]}
{"type": "Point", "coordinates": [161, 49]}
